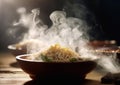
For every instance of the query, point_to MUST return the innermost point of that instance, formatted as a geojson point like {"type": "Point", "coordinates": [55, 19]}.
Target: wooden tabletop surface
{"type": "Point", "coordinates": [11, 73]}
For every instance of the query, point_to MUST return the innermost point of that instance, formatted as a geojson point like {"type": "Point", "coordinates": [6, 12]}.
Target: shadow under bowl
{"type": "Point", "coordinates": [37, 69]}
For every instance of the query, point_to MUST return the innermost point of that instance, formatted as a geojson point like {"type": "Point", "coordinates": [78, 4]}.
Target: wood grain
{"type": "Point", "coordinates": [11, 73]}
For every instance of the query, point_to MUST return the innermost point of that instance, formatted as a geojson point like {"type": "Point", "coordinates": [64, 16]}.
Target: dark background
{"type": "Point", "coordinates": [106, 12]}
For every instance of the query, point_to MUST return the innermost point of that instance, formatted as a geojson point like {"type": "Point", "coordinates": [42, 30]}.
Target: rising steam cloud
{"type": "Point", "coordinates": [67, 31]}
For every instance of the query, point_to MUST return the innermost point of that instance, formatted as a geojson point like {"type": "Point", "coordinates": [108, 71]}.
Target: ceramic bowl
{"type": "Point", "coordinates": [23, 46]}
{"type": "Point", "coordinates": [37, 69]}
{"type": "Point", "coordinates": [17, 49]}
{"type": "Point", "coordinates": [101, 43]}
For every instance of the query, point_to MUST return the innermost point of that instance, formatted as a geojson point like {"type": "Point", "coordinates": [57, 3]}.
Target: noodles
{"type": "Point", "coordinates": [57, 53]}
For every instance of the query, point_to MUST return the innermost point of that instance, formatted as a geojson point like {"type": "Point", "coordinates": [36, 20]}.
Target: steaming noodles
{"type": "Point", "coordinates": [56, 53]}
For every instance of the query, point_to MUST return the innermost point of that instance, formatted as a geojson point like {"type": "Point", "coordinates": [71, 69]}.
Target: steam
{"type": "Point", "coordinates": [109, 63]}
{"type": "Point", "coordinates": [67, 31]}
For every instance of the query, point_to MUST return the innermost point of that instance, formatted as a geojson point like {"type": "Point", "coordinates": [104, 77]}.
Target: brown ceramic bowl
{"type": "Point", "coordinates": [17, 49]}
{"type": "Point", "coordinates": [23, 46]}
{"type": "Point", "coordinates": [101, 43]}
{"type": "Point", "coordinates": [38, 69]}
{"type": "Point", "coordinates": [104, 47]}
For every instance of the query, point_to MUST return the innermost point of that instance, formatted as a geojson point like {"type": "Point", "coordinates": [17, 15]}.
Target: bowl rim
{"type": "Point", "coordinates": [12, 46]}
{"type": "Point", "coordinates": [33, 61]}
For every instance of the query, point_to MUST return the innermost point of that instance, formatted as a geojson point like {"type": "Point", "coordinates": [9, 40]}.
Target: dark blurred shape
{"type": "Point", "coordinates": [57, 80]}
{"type": "Point", "coordinates": [111, 78]}
{"type": "Point", "coordinates": [109, 16]}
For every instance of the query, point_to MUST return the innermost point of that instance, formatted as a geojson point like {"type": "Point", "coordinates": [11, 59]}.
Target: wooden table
{"type": "Point", "coordinates": [11, 73]}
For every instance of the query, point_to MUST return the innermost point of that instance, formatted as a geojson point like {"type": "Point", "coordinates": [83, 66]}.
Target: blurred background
{"type": "Point", "coordinates": [104, 17]}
